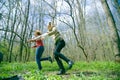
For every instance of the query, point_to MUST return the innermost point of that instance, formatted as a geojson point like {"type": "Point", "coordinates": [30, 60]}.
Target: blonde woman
{"type": "Point", "coordinates": [59, 45]}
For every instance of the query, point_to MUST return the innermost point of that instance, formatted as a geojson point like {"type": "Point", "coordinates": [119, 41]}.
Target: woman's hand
{"type": "Point", "coordinates": [34, 46]}
{"type": "Point", "coordinates": [31, 40]}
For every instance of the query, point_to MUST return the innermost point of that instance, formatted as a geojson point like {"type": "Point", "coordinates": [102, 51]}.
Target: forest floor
{"type": "Point", "coordinates": [79, 71]}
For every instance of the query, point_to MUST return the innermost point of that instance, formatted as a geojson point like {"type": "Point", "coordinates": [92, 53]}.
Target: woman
{"type": "Point", "coordinates": [40, 49]}
{"type": "Point", "coordinates": [59, 44]}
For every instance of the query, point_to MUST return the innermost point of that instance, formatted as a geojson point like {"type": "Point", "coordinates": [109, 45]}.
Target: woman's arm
{"type": "Point", "coordinates": [38, 37]}
{"type": "Point", "coordinates": [31, 40]}
{"type": "Point", "coordinates": [52, 32]}
{"type": "Point", "coordinates": [34, 46]}
{"type": "Point", "coordinates": [34, 39]}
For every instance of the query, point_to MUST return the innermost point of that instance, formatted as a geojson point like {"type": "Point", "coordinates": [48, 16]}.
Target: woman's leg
{"type": "Point", "coordinates": [39, 52]}
{"type": "Point", "coordinates": [46, 58]}
{"type": "Point", "coordinates": [58, 55]}
{"type": "Point", "coordinates": [59, 62]}
{"type": "Point", "coordinates": [57, 50]}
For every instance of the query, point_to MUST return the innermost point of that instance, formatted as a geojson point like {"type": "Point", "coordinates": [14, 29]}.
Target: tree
{"type": "Point", "coordinates": [80, 27]}
{"type": "Point", "coordinates": [25, 25]}
{"type": "Point", "coordinates": [111, 23]}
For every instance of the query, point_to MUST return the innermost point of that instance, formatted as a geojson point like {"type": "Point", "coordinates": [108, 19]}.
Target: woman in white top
{"type": "Point", "coordinates": [59, 44]}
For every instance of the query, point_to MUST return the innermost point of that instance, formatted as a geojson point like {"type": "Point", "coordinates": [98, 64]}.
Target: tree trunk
{"type": "Point", "coordinates": [12, 37]}
{"type": "Point", "coordinates": [79, 42]}
{"type": "Point", "coordinates": [8, 20]}
{"type": "Point", "coordinates": [25, 29]}
{"type": "Point", "coordinates": [111, 23]}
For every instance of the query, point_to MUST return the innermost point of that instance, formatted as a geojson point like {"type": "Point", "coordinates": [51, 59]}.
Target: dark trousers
{"type": "Point", "coordinates": [39, 52]}
{"type": "Point", "coordinates": [58, 47]}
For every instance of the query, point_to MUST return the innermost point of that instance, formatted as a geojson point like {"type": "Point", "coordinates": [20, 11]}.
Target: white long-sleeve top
{"type": "Point", "coordinates": [40, 36]}
{"type": "Point", "coordinates": [53, 33]}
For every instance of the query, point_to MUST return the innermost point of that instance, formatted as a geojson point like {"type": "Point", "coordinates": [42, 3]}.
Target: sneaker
{"type": "Point", "coordinates": [70, 63]}
{"type": "Point", "coordinates": [62, 71]}
{"type": "Point", "coordinates": [50, 59]}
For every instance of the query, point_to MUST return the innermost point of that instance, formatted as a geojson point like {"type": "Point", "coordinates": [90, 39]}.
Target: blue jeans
{"type": "Point", "coordinates": [39, 52]}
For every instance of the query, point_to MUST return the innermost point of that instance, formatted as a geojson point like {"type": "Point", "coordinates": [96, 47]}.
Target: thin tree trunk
{"type": "Point", "coordinates": [12, 38]}
{"type": "Point", "coordinates": [8, 20]}
{"type": "Point", "coordinates": [25, 29]}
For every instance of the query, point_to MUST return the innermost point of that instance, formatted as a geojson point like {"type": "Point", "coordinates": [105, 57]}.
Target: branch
{"type": "Point", "coordinates": [67, 24]}
{"type": "Point", "coordinates": [49, 4]}
{"type": "Point", "coordinates": [12, 32]}
{"type": "Point", "coordinates": [15, 34]}
{"type": "Point", "coordinates": [2, 5]}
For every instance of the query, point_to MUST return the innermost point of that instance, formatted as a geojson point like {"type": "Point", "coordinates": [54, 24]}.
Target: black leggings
{"type": "Point", "coordinates": [58, 47]}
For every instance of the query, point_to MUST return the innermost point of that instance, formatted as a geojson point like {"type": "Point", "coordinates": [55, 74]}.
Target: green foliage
{"type": "Point", "coordinates": [34, 75]}
{"type": "Point", "coordinates": [3, 47]}
{"type": "Point", "coordinates": [80, 71]}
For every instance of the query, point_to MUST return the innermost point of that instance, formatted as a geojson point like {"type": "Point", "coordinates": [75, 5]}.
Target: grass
{"type": "Point", "coordinates": [80, 71]}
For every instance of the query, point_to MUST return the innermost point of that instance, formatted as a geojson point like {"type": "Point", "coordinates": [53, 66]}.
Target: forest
{"type": "Point", "coordinates": [90, 28]}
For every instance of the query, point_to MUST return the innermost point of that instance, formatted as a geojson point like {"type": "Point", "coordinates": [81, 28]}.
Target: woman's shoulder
{"type": "Point", "coordinates": [54, 28]}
